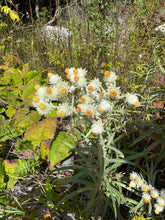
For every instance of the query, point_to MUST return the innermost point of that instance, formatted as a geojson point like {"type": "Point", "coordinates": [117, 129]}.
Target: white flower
{"type": "Point", "coordinates": [146, 187]}
{"type": "Point", "coordinates": [85, 99]}
{"type": "Point", "coordinates": [133, 175]}
{"type": "Point", "coordinates": [160, 201]}
{"type": "Point", "coordinates": [154, 193]}
{"type": "Point", "coordinates": [64, 110]}
{"type": "Point", "coordinates": [82, 72]}
{"type": "Point", "coordinates": [97, 127]}
{"type": "Point", "coordinates": [113, 92]}
{"type": "Point", "coordinates": [110, 77]}
{"type": "Point", "coordinates": [63, 88]}
{"type": "Point", "coordinates": [35, 101]}
{"type": "Point", "coordinates": [41, 92]}
{"type": "Point", "coordinates": [81, 109]}
{"type": "Point", "coordinates": [90, 110]}
{"type": "Point", "coordinates": [132, 99]}
{"type": "Point", "coordinates": [44, 108]}
{"type": "Point", "coordinates": [138, 181]}
{"type": "Point", "coordinates": [132, 184]}
{"type": "Point", "coordinates": [158, 209]}
{"type": "Point", "coordinates": [161, 28]}
{"type": "Point", "coordinates": [94, 85]}
{"type": "Point", "coordinates": [54, 78]}
{"type": "Point", "coordinates": [146, 197]}
{"type": "Point", "coordinates": [81, 82]}
{"type": "Point", "coordinates": [105, 106]}
{"type": "Point", "coordinates": [52, 93]}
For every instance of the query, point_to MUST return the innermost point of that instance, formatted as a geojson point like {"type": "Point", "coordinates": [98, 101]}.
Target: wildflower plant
{"type": "Point", "coordinates": [100, 106]}
{"type": "Point", "coordinates": [150, 195]}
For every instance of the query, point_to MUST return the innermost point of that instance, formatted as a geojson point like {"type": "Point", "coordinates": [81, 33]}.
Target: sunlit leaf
{"type": "Point", "coordinates": [41, 131]}
{"type": "Point", "coordinates": [61, 146]}
{"type": "Point", "coordinates": [10, 167]}
{"type": "Point", "coordinates": [10, 111]}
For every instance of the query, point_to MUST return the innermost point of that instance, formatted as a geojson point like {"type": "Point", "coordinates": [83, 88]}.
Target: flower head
{"type": "Point", "coordinates": [158, 209]}
{"type": "Point", "coordinates": [110, 77]}
{"type": "Point", "coordinates": [64, 110]}
{"type": "Point", "coordinates": [97, 127]}
{"type": "Point", "coordinates": [54, 78]}
{"type": "Point", "coordinates": [146, 197]}
{"type": "Point", "coordinates": [85, 99]}
{"type": "Point", "coordinates": [161, 202]}
{"type": "Point", "coordinates": [133, 175]}
{"type": "Point", "coordinates": [81, 109]}
{"type": "Point", "coordinates": [132, 184]}
{"type": "Point", "coordinates": [41, 92]}
{"type": "Point", "coordinates": [132, 99]}
{"type": "Point", "coordinates": [113, 92]}
{"type": "Point", "coordinates": [154, 193]}
{"type": "Point", "coordinates": [94, 85]}
{"type": "Point", "coordinates": [44, 108]}
{"type": "Point", "coordinates": [105, 106]}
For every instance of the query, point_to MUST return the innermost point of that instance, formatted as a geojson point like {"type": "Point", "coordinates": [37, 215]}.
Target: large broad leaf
{"type": "Point", "coordinates": [60, 148]}
{"type": "Point", "coordinates": [32, 75]}
{"type": "Point", "coordinates": [10, 167]}
{"type": "Point", "coordinates": [41, 131]}
{"type": "Point", "coordinates": [24, 119]}
{"type": "Point", "coordinates": [10, 111]}
{"type": "Point", "coordinates": [13, 76]}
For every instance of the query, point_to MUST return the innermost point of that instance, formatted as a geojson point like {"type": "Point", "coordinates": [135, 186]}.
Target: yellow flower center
{"type": "Point", "coordinates": [144, 188]}
{"type": "Point", "coordinates": [131, 178]}
{"type": "Point", "coordinates": [156, 211]}
{"type": "Point", "coordinates": [105, 121]}
{"type": "Point", "coordinates": [88, 112]}
{"type": "Point", "coordinates": [75, 71]}
{"type": "Point", "coordinates": [101, 93]}
{"type": "Point", "coordinates": [137, 103]}
{"type": "Point", "coordinates": [79, 109]}
{"type": "Point", "coordinates": [160, 204]}
{"type": "Point", "coordinates": [37, 87]}
{"type": "Point", "coordinates": [101, 110]}
{"type": "Point", "coordinates": [146, 200]}
{"type": "Point", "coordinates": [153, 195]}
{"type": "Point", "coordinates": [63, 90]}
{"type": "Point", "coordinates": [83, 99]}
{"type": "Point", "coordinates": [36, 99]}
{"type": "Point", "coordinates": [49, 90]}
{"type": "Point", "coordinates": [90, 88]}
{"type": "Point", "coordinates": [107, 73]}
{"type": "Point", "coordinates": [130, 185]}
{"type": "Point", "coordinates": [113, 93]}
{"type": "Point", "coordinates": [67, 70]}
{"type": "Point", "coordinates": [61, 113]}
{"type": "Point", "coordinates": [137, 181]}
{"type": "Point", "coordinates": [76, 78]}
{"type": "Point", "coordinates": [68, 76]}
{"type": "Point", "coordinates": [42, 106]}
{"type": "Point", "coordinates": [50, 75]}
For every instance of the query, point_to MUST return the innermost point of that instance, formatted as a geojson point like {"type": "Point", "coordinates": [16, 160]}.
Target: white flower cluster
{"type": "Point", "coordinates": [93, 99]}
{"type": "Point", "coordinates": [148, 192]}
